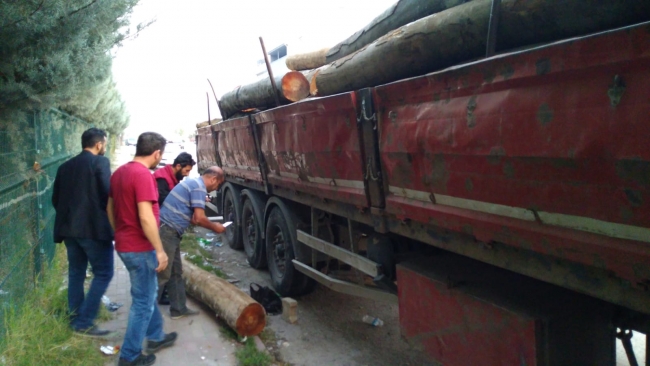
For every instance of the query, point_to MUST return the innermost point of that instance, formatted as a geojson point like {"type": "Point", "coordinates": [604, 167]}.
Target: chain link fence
{"type": "Point", "coordinates": [32, 147]}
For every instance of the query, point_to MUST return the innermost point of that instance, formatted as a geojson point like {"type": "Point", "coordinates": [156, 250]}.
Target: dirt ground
{"type": "Point", "coordinates": [329, 330]}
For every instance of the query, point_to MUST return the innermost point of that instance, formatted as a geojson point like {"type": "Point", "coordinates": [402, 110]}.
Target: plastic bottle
{"type": "Point", "coordinates": [375, 322]}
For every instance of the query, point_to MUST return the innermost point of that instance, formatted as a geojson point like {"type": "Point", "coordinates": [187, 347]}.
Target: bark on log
{"type": "Point", "coordinates": [311, 78]}
{"type": "Point", "coordinates": [292, 87]}
{"type": "Point", "coordinates": [459, 34]}
{"type": "Point", "coordinates": [307, 61]}
{"type": "Point", "coordinates": [243, 314]}
{"type": "Point", "coordinates": [401, 13]}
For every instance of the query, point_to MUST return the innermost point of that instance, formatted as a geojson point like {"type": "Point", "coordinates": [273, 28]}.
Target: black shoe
{"type": "Point", "coordinates": [142, 360]}
{"type": "Point", "coordinates": [92, 332]}
{"type": "Point", "coordinates": [168, 341]}
{"type": "Point", "coordinates": [180, 314]}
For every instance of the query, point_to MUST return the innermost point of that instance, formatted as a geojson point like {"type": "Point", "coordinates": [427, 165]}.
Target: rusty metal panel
{"type": "Point", "coordinates": [205, 148]}
{"type": "Point", "coordinates": [544, 149]}
{"type": "Point", "coordinates": [313, 147]}
{"type": "Point", "coordinates": [456, 329]}
{"type": "Point", "coordinates": [237, 149]}
{"type": "Point", "coordinates": [463, 312]}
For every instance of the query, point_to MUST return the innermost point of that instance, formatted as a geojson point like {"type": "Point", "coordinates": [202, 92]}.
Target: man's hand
{"type": "Point", "coordinates": [218, 228]}
{"type": "Point", "coordinates": [162, 260]}
{"type": "Point", "coordinates": [199, 218]}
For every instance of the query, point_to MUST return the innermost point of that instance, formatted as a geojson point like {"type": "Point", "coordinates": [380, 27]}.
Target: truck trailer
{"type": "Point", "coordinates": [503, 203]}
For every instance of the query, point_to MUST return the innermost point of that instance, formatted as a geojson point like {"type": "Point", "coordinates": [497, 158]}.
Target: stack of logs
{"type": "Point", "coordinates": [415, 37]}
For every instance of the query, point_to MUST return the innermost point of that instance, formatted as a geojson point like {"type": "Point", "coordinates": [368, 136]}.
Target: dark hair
{"type": "Point", "coordinates": [148, 143]}
{"type": "Point", "coordinates": [91, 137]}
{"type": "Point", "coordinates": [184, 159]}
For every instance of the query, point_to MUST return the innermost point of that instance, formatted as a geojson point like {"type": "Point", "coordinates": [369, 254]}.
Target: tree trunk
{"type": "Point", "coordinates": [311, 78]}
{"type": "Point", "coordinates": [459, 34]}
{"type": "Point", "coordinates": [292, 87]}
{"type": "Point", "coordinates": [401, 13]}
{"type": "Point", "coordinates": [243, 314]}
{"type": "Point", "coordinates": [307, 61]}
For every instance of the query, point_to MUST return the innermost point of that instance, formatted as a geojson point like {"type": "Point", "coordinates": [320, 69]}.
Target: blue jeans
{"type": "Point", "coordinates": [145, 319]}
{"type": "Point", "coordinates": [84, 307]}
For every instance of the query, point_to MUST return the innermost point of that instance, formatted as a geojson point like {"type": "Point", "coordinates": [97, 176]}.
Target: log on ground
{"type": "Point", "coordinates": [459, 35]}
{"type": "Point", "coordinates": [243, 314]}
{"type": "Point", "coordinates": [291, 87]}
{"type": "Point", "coordinates": [307, 61]}
{"type": "Point", "coordinates": [400, 14]}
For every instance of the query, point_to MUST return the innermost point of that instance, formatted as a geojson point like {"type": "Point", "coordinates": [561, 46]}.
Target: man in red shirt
{"type": "Point", "coordinates": [133, 212]}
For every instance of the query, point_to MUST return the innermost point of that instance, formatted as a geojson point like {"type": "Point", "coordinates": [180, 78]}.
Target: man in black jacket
{"type": "Point", "coordinates": [80, 196]}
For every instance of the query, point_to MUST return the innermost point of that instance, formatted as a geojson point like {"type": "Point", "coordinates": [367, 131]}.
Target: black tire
{"type": "Point", "coordinates": [280, 242]}
{"type": "Point", "coordinates": [232, 212]}
{"type": "Point", "coordinates": [252, 225]}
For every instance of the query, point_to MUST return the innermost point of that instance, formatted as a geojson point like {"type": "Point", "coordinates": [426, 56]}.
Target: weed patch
{"type": "Point", "coordinates": [248, 355]}
{"type": "Point", "coordinates": [38, 332]}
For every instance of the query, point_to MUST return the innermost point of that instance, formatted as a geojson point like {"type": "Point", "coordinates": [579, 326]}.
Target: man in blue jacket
{"type": "Point", "coordinates": [80, 196]}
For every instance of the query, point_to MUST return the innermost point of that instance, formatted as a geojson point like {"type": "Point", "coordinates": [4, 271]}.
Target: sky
{"type": "Point", "coordinates": [162, 74]}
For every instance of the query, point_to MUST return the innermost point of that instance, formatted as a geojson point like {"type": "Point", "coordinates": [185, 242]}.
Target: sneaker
{"type": "Point", "coordinates": [180, 314]}
{"type": "Point", "coordinates": [92, 332]}
{"type": "Point", "coordinates": [142, 360]}
{"type": "Point", "coordinates": [168, 341]}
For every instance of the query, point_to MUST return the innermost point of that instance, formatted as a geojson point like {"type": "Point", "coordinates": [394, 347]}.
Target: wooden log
{"type": "Point", "coordinates": [459, 34]}
{"type": "Point", "coordinates": [292, 87]}
{"type": "Point", "coordinates": [400, 14]}
{"type": "Point", "coordinates": [243, 314]}
{"type": "Point", "coordinates": [307, 61]}
{"type": "Point", "coordinates": [311, 78]}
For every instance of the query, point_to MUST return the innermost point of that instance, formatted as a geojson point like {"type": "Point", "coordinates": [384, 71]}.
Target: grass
{"type": "Point", "coordinates": [227, 332]}
{"type": "Point", "coordinates": [248, 355]}
{"type": "Point", "coordinates": [38, 332]}
{"type": "Point", "coordinates": [201, 263]}
{"type": "Point", "coordinates": [199, 256]}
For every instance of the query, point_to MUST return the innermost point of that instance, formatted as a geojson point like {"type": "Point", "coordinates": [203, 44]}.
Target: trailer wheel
{"type": "Point", "coordinates": [252, 226]}
{"type": "Point", "coordinates": [232, 212]}
{"type": "Point", "coordinates": [280, 241]}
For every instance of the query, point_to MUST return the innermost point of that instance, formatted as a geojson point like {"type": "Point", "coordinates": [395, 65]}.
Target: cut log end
{"type": "Point", "coordinates": [251, 321]}
{"type": "Point", "coordinates": [295, 86]}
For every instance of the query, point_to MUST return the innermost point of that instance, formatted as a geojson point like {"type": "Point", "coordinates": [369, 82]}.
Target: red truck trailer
{"type": "Point", "coordinates": [503, 203]}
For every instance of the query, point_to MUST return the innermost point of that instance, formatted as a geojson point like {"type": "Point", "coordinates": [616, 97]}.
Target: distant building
{"type": "Point", "coordinates": [277, 57]}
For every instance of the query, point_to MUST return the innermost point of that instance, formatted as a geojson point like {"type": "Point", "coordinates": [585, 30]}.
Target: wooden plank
{"type": "Point", "coordinates": [363, 264]}
{"type": "Point", "coordinates": [344, 287]}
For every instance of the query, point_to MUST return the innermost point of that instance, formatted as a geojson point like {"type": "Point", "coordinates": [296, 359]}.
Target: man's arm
{"type": "Point", "coordinates": [163, 190]}
{"type": "Point", "coordinates": [150, 228]}
{"type": "Point", "coordinates": [200, 219]}
{"type": "Point", "coordinates": [111, 212]}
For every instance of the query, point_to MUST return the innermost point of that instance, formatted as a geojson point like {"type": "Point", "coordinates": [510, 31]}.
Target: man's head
{"type": "Point", "coordinates": [182, 165]}
{"type": "Point", "coordinates": [213, 178]}
{"type": "Point", "coordinates": [150, 148]}
{"type": "Point", "coordinates": [94, 141]}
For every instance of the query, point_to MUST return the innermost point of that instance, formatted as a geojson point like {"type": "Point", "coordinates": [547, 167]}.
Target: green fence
{"type": "Point", "coordinates": [32, 147]}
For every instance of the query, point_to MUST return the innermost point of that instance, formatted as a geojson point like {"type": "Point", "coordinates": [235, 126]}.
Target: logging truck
{"type": "Point", "coordinates": [502, 202]}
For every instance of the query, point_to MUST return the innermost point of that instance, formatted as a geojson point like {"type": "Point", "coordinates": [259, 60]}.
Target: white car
{"type": "Point", "coordinates": [171, 152]}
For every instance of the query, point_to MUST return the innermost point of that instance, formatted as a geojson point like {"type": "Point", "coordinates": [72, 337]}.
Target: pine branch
{"type": "Point", "coordinates": [29, 16]}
